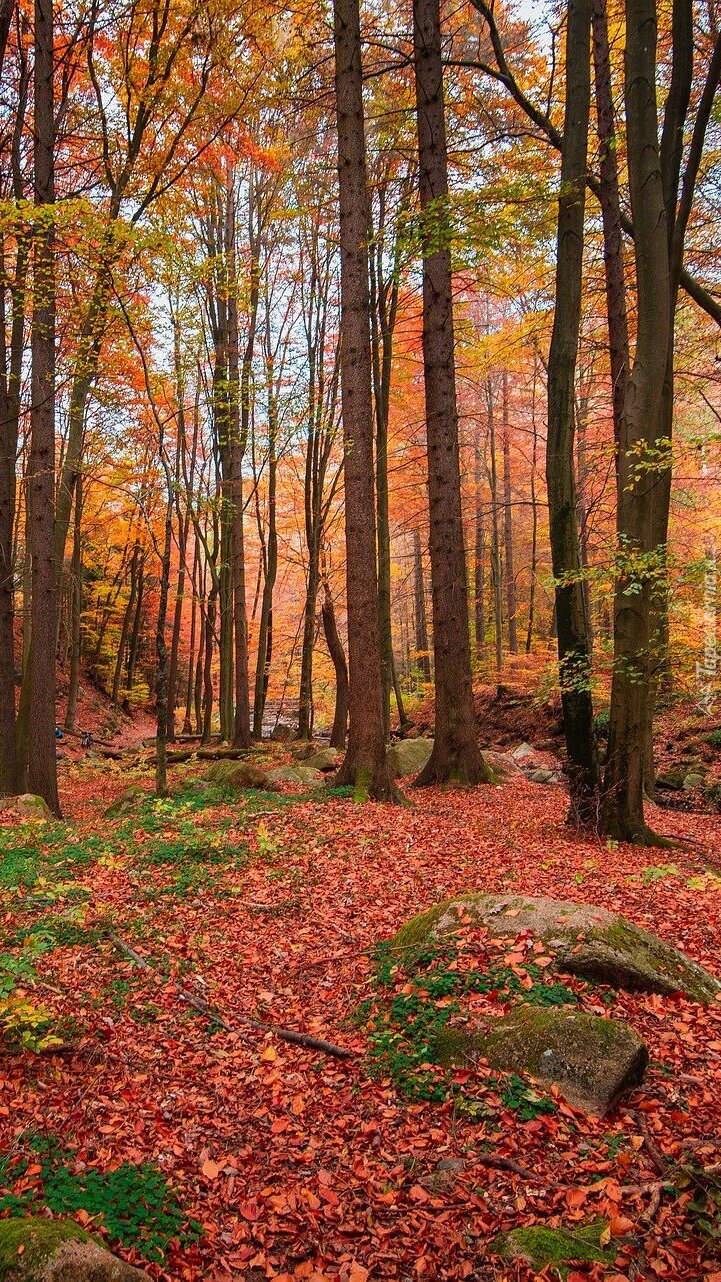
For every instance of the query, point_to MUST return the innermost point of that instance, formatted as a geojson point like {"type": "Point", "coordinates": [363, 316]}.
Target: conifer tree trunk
{"type": "Point", "coordinates": [42, 763]}
{"type": "Point", "coordinates": [572, 629]}
{"type": "Point", "coordinates": [456, 755]}
{"type": "Point", "coordinates": [365, 765]}
{"type": "Point", "coordinates": [479, 558]}
{"type": "Point", "coordinates": [496, 532]}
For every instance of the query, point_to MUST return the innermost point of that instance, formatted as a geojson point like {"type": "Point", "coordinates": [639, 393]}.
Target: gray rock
{"type": "Point", "coordinates": [239, 774]}
{"type": "Point", "coordinates": [591, 1060]}
{"type": "Point", "coordinates": [502, 762]}
{"type": "Point", "coordinates": [127, 803]}
{"type": "Point", "coordinates": [587, 941]}
{"type": "Point", "coordinates": [294, 774]}
{"type": "Point", "coordinates": [326, 759]}
{"type": "Point", "coordinates": [523, 750]}
{"type": "Point", "coordinates": [37, 1249]}
{"type": "Point", "coordinates": [282, 734]}
{"type": "Point", "coordinates": [694, 779]}
{"type": "Point", "coordinates": [409, 756]}
{"type": "Point", "coordinates": [27, 806]}
{"type": "Point", "coordinates": [543, 776]}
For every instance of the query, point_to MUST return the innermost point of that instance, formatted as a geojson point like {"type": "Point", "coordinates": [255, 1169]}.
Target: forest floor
{"type": "Point", "coordinates": [233, 1154]}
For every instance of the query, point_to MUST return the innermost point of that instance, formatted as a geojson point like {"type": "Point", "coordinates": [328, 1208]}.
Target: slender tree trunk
{"type": "Point", "coordinates": [337, 654]}
{"type": "Point", "coordinates": [207, 727]}
{"type": "Point", "coordinates": [496, 532]}
{"type": "Point", "coordinates": [534, 516]}
{"type": "Point", "coordinates": [42, 763]}
{"type": "Point", "coordinates": [479, 559]}
{"type": "Point", "coordinates": [422, 657]}
{"type": "Point", "coordinates": [76, 609]}
{"type": "Point", "coordinates": [161, 647]}
{"type": "Point", "coordinates": [134, 643]}
{"type": "Point", "coordinates": [305, 701]}
{"type": "Point", "coordinates": [187, 722]}
{"type": "Point", "coordinates": [456, 755]}
{"type": "Point", "coordinates": [572, 627]}
{"type": "Point", "coordinates": [508, 524]}
{"type": "Point", "coordinates": [265, 628]}
{"type": "Point", "coordinates": [365, 765]}
{"type": "Point", "coordinates": [125, 628]}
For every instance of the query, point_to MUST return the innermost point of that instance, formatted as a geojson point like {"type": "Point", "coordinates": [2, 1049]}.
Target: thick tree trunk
{"type": "Point", "coordinates": [641, 431]}
{"type": "Point", "coordinates": [365, 765]}
{"type": "Point", "coordinates": [456, 755]}
{"type": "Point", "coordinates": [572, 628]}
{"type": "Point", "coordinates": [42, 764]}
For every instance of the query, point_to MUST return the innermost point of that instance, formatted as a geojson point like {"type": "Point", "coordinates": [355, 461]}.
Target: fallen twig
{"type": "Point", "coordinates": [652, 1148]}
{"type": "Point", "coordinates": [199, 1004]}
{"type": "Point", "coordinates": [505, 1164]}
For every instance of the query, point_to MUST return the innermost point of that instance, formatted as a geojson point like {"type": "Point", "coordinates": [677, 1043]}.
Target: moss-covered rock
{"type": "Point", "coordinates": [409, 756]}
{"type": "Point", "coordinates": [239, 774]}
{"type": "Point", "coordinates": [293, 774]}
{"type": "Point", "coordinates": [27, 806]}
{"type": "Point", "coordinates": [326, 759]}
{"type": "Point", "coordinates": [591, 1060]}
{"type": "Point", "coordinates": [127, 803]}
{"type": "Point", "coordinates": [540, 1246]}
{"type": "Point", "coordinates": [586, 941]}
{"type": "Point", "coordinates": [36, 1249]}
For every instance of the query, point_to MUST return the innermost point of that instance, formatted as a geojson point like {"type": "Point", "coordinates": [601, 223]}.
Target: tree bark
{"type": "Point", "coordinates": [641, 432]}
{"type": "Point", "coordinates": [572, 629]}
{"type": "Point", "coordinates": [456, 755]}
{"type": "Point", "coordinates": [42, 763]}
{"type": "Point", "coordinates": [337, 654]}
{"type": "Point", "coordinates": [365, 765]}
{"type": "Point", "coordinates": [76, 609]}
{"type": "Point", "coordinates": [422, 656]}
{"type": "Point", "coordinates": [508, 524]}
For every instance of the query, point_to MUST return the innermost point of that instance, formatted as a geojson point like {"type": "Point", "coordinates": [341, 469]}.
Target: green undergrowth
{"type": "Point", "coordinates": [135, 1204]}
{"type": "Point", "coordinates": [411, 1014]}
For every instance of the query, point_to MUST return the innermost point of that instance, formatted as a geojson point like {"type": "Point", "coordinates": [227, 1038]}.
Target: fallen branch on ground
{"type": "Point", "coordinates": [199, 1004]}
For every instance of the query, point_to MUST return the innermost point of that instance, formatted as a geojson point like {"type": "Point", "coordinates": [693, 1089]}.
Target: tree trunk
{"type": "Point", "coordinates": [265, 628]}
{"type": "Point", "coordinates": [456, 755]}
{"type": "Point", "coordinates": [641, 432]}
{"type": "Point", "coordinates": [496, 533]}
{"type": "Point", "coordinates": [337, 654]}
{"type": "Point", "coordinates": [42, 763]}
{"type": "Point", "coordinates": [365, 765]}
{"type": "Point", "coordinates": [422, 656]}
{"type": "Point", "coordinates": [572, 628]}
{"type": "Point", "coordinates": [479, 559]}
{"type": "Point", "coordinates": [76, 609]}
{"type": "Point", "coordinates": [508, 525]}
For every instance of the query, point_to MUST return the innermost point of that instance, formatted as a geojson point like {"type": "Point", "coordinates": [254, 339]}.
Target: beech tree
{"type": "Point", "coordinates": [571, 621]}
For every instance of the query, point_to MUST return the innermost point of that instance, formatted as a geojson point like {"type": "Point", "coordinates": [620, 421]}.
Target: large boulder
{"type": "Point", "coordinates": [44, 1250]}
{"type": "Point", "coordinates": [27, 806]}
{"type": "Point", "coordinates": [584, 940]}
{"type": "Point", "coordinates": [590, 1059]}
{"type": "Point", "coordinates": [239, 774]}
{"type": "Point", "coordinates": [409, 756]}
{"type": "Point", "coordinates": [293, 774]}
{"type": "Point", "coordinates": [502, 763]}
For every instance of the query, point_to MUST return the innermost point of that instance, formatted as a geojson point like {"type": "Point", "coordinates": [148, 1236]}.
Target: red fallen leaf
{"type": "Point", "coordinates": [210, 1170]}
{"type": "Point", "coordinates": [250, 1211]}
{"type": "Point", "coordinates": [418, 1194]}
{"type": "Point", "coordinates": [330, 1197]}
{"type": "Point", "coordinates": [280, 1125]}
{"type": "Point", "coordinates": [359, 1274]}
{"type": "Point", "coordinates": [576, 1197]}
